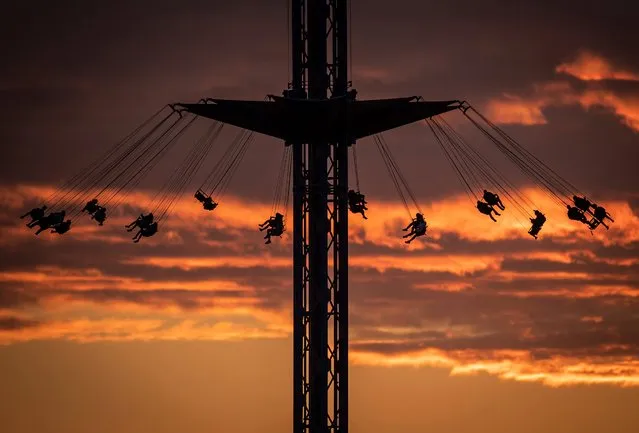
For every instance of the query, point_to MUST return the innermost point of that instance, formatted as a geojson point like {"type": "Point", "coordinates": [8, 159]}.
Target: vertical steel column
{"type": "Point", "coordinates": [339, 88]}
{"type": "Point", "coordinates": [317, 14]}
{"type": "Point", "coordinates": [301, 411]}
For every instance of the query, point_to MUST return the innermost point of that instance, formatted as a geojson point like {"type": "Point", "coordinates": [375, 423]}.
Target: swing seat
{"type": "Point", "coordinates": [200, 196]}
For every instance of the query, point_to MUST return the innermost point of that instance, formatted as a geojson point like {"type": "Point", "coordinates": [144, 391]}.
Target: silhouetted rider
{"type": "Point", "coordinates": [601, 214]}
{"type": "Point", "coordinates": [44, 223]}
{"type": "Point", "coordinates": [274, 226]}
{"type": "Point", "coordinates": [537, 224]}
{"type": "Point", "coordinates": [62, 228]}
{"type": "Point", "coordinates": [357, 202]}
{"type": "Point", "coordinates": [582, 203]}
{"type": "Point", "coordinates": [99, 215]}
{"type": "Point", "coordinates": [577, 214]}
{"type": "Point", "coordinates": [56, 218]}
{"type": "Point", "coordinates": [91, 207]}
{"type": "Point", "coordinates": [207, 201]}
{"type": "Point", "coordinates": [143, 221]}
{"type": "Point", "coordinates": [148, 231]}
{"type": "Point", "coordinates": [418, 228]}
{"type": "Point", "coordinates": [36, 214]}
{"type": "Point", "coordinates": [487, 209]}
{"type": "Point", "coordinates": [493, 200]}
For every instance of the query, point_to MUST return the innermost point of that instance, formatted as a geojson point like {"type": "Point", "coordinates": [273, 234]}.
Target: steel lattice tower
{"type": "Point", "coordinates": [320, 212]}
{"type": "Point", "coordinates": [319, 116]}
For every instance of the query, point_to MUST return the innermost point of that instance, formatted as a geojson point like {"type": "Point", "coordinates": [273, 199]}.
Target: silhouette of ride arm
{"type": "Point", "coordinates": [304, 120]}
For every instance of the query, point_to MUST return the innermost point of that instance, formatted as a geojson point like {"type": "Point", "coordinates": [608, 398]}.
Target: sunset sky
{"type": "Point", "coordinates": [479, 328]}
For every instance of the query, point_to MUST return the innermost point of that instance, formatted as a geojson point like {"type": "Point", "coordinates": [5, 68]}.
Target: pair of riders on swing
{"type": "Point", "coordinates": [147, 227]}
{"type": "Point", "coordinates": [54, 221]}
{"type": "Point", "coordinates": [492, 200]}
{"type": "Point", "coordinates": [487, 207]}
{"type": "Point", "coordinates": [274, 226]}
{"type": "Point", "coordinates": [97, 212]}
{"type": "Point", "coordinates": [144, 222]}
{"type": "Point", "coordinates": [357, 204]}
{"type": "Point", "coordinates": [583, 206]}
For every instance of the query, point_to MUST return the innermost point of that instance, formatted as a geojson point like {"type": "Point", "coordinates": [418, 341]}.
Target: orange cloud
{"type": "Point", "coordinates": [592, 67]}
{"type": "Point", "coordinates": [506, 364]}
{"type": "Point", "coordinates": [514, 110]}
{"type": "Point", "coordinates": [528, 110]}
{"type": "Point", "coordinates": [585, 291]}
{"type": "Point", "coordinates": [188, 263]}
{"type": "Point", "coordinates": [627, 107]}
{"type": "Point", "coordinates": [452, 215]}
{"type": "Point", "coordinates": [510, 109]}
{"type": "Point", "coordinates": [92, 304]}
{"type": "Point", "coordinates": [516, 365]}
{"type": "Point", "coordinates": [92, 330]}
{"type": "Point", "coordinates": [54, 277]}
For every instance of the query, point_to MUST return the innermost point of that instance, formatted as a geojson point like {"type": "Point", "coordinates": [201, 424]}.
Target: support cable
{"type": "Point", "coordinates": [470, 192]}
{"type": "Point", "coordinates": [544, 183]}
{"type": "Point", "coordinates": [490, 173]}
{"type": "Point", "coordinates": [489, 167]}
{"type": "Point", "coordinates": [108, 171]}
{"type": "Point", "coordinates": [481, 169]}
{"type": "Point", "coordinates": [398, 172]}
{"type": "Point", "coordinates": [228, 173]}
{"type": "Point", "coordinates": [392, 175]}
{"type": "Point", "coordinates": [215, 174]}
{"type": "Point", "coordinates": [76, 181]}
{"type": "Point", "coordinates": [355, 166]}
{"type": "Point", "coordinates": [91, 182]}
{"type": "Point", "coordinates": [281, 173]}
{"type": "Point", "coordinates": [184, 172]}
{"type": "Point", "coordinates": [153, 160]}
{"type": "Point", "coordinates": [565, 183]}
